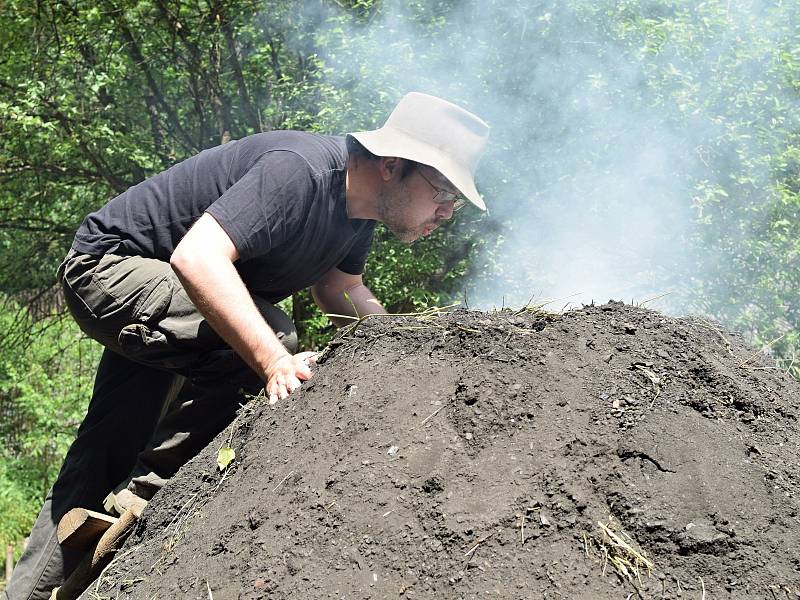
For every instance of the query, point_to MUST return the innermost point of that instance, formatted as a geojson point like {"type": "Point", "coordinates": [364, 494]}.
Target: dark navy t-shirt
{"type": "Point", "coordinates": [280, 196]}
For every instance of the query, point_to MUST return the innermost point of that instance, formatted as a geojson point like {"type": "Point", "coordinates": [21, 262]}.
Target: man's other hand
{"type": "Point", "coordinates": [287, 373]}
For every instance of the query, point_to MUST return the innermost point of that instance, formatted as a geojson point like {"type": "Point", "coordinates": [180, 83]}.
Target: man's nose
{"type": "Point", "coordinates": [445, 211]}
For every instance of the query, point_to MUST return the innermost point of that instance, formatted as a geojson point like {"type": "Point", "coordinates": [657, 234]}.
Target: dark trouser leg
{"type": "Point", "coordinates": [125, 407]}
{"type": "Point", "coordinates": [154, 336]}
{"type": "Point", "coordinates": [191, 421]}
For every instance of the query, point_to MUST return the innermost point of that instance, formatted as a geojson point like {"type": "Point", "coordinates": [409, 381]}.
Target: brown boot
{"type": "Point", "coordinates": [118, 502]}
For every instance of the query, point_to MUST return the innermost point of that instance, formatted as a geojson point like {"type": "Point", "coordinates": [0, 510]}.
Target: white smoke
{"type": "Point", "coordinates": [596, 181]}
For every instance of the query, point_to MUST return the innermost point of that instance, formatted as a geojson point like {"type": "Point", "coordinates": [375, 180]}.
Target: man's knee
{"type": "Point", "coordinates": [280, 323]}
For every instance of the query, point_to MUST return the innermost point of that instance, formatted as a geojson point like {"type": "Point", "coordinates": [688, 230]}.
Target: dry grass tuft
{"type": "Point", "coordinates": [616, 548]}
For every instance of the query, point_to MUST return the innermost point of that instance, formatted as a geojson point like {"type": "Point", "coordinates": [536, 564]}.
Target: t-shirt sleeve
{"type": "Point", "coordinates": [355, 260]}
{"type": "Point", "coordinates": [267, 205]}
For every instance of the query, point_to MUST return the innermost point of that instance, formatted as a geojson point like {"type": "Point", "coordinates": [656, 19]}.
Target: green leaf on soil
{"type": "Point", "coordinates": [225, 457]}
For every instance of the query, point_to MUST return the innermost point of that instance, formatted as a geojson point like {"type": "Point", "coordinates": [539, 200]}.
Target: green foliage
{"type": "Point", "coordinates": [741, 76]}
{"type": "Point", "coordinates": [16, 508]}
{"type": "Point", "coordinates": [43, 395]}
{"type": "Point", "coordinates": [96, 96]}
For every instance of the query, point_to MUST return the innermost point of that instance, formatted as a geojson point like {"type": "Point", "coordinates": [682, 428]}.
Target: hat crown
{"type": "Point", "coordinates": [443, 125]}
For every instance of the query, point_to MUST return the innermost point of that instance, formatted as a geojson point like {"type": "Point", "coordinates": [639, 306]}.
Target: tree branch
{"type": "Point", "coordinates": [14, 170]}
{"type": "Point", "coordinates": [155, 129]}
{"type": "Point", "coordinates": [138, 58]}
{"type": "Point", "coordinates": [103, 169]}
{"type": "Point", "coordinates": [49, 226]}
{"type": "Point", "coordinates": [194, 63]}
{"type": "Point", "coordinates": [253, 116]}
{"type": "Point", "coordinates": [221, 103]}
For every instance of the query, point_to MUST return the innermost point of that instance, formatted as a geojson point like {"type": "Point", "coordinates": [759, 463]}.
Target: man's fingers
{"type": "Point", "coordinates": [309, 358]}
{"type": "Point", "coordinates": [293, 383]}
{"type": "Point", "coordinates": [277, 391]}
{"type": "Point", "coordinates": [290, 376]}
{"type": "Point", "coordinates": [302, 372]}
{"type": "Point", "coordinates": [280, 389]}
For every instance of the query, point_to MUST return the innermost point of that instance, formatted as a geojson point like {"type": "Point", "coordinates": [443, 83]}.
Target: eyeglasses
{"type": "Point", "coordinates": [444, 196]}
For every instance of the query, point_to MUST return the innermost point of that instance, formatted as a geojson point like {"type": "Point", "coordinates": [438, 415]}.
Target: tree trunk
{"type": "Point", "coordinates": [302, 309]}
{"type": "Point", "coordinates": [9, 561]}
{"type": "Point", "coordinates": [253, 117]}
{"type": "Point", "coordinates": [135, 54]}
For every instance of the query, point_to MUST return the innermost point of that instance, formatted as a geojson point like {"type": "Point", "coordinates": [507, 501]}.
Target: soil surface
{"type": "Point", "coordinates": [609, 452]}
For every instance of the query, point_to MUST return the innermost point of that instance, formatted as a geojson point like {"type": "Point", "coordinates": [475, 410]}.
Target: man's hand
{"type": "Point", "coordinates": [287, 373]}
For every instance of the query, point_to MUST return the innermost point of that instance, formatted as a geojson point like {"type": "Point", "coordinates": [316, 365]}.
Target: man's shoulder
{"type": "Point", "coordinates": [321, 152]}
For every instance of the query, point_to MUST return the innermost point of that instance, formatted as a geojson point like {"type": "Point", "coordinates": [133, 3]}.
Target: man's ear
{"type": "Point", "coordinates": [390, 167]}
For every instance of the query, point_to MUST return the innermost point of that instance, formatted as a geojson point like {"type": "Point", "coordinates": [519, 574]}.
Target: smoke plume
{"type": "Point", "coordinates": [625, 143]}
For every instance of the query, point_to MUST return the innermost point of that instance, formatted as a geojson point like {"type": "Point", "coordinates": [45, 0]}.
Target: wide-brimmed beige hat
{"type": "Point", "coordinates": [436, 133]}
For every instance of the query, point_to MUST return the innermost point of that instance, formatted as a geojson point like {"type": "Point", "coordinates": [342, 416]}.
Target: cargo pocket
{"type": "Point", "coordinates": [153, 300]}
{"type": "Point", "coordinates": [148, 345]}
{"type": "Point", "coordinates": [138, 341]}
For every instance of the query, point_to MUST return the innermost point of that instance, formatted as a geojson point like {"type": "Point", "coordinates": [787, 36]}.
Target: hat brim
{"type": "Point", "coordinates": [388, 141]}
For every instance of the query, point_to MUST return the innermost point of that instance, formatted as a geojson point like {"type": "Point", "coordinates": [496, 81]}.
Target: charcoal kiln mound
{"type": "Point", "coordinates": [608, 452]}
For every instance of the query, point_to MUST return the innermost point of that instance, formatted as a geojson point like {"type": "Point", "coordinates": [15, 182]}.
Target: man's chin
{"type": "Point", "coordinates": [407, 236]}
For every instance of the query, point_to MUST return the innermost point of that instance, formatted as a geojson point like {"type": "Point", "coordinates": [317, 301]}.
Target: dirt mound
{"type": "Point", "coordinates": [607, 452]}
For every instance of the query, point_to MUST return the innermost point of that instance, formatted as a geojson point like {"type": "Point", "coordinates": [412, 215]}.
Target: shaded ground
{"type": "Point", "coordinates": [527, 433]}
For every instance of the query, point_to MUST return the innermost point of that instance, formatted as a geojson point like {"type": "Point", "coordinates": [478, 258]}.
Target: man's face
{"type": "Point", "coordinates": [408, 206]}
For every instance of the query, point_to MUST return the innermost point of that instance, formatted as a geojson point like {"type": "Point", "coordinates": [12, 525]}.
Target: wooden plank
{"type": "Point", "coordinates": [100, 554]}
{"type": "Point", "coordinates": [80, 528]}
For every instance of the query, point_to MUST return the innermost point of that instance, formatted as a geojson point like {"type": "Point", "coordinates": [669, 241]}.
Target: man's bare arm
{"type": "Point", "coordinates": [331, 294]}
{"type": "Point", "coordinates": [203, 261]}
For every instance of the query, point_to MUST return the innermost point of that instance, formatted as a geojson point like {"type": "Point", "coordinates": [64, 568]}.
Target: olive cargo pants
{"type": "Point", "coordinates": [165, 386]}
